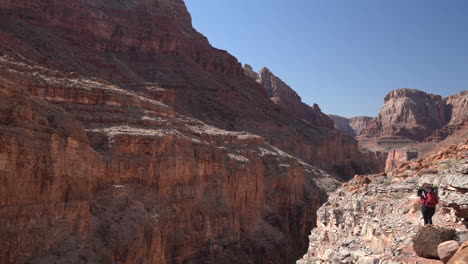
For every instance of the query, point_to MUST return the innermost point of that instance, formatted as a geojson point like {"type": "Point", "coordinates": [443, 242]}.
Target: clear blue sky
{"type": "Point", "coordinates": [345, 55]}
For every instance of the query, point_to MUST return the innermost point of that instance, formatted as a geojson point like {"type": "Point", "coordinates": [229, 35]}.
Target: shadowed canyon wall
{"type": "Point", "coordinates": [127, 138]}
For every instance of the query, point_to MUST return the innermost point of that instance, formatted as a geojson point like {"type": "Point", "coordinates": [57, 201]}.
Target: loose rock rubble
{"type": "Point", "coordinates": [372, 219]}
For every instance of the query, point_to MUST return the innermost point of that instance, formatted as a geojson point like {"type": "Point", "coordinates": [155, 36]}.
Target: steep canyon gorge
{"type": "Point", "coordinates": [127, 138]}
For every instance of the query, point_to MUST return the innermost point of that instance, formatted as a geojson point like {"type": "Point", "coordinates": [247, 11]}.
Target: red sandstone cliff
{"type": "Point", "coordinates": [127, 138]}
{"type": "Point", "coordinates": [411, 116]}
{"type": "Point", "coordinates": [358, 123]}
{"type": "Point", "coordinates": [353, 125]}
{"type": "Point", "coordinates": [342, 124]}
{"type": "Point", "coordinates": [415, 122]}
{"type": "Point", "coordinates": [284, 96]}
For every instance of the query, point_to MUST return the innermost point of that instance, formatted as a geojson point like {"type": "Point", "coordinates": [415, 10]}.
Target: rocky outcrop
{"type": "Point", "coordinates": [414, 115]}
{"type": "Point", "coordinates": [353, 125]}
{"type": "Point", "coordinates": [428, 238]}
{"type": "Point", "coordinates": [454, 185]}
{"type": "Point", "coordinates": [127, 138]}
{"type": "Point", "coordinates": [249, 72]}
{"type": "Point", "coordinates": [373, 218]}
{"type": "Point", "coordinates": [457, 106]}
{"type": "Point", "coordinates": [456, 117]}
{"type": "Point", "coordinates": [461, 256]}
{"type": "Point", "coordinates": [342, 124]}
{"type": "Point", "coordinates": [358, 123]}
{"type": "Point", "coordinates": [396, 157]}
{"type": "Point", "coordinates": [284, 96]}
{"type": "Point", "coordinates": [411, 114]}
{"type": "Point", "coordinates": [132, 27]}
{"type": "Point", "coordinates": [416, 122]}
{"type": "Point", "coordinates": [447, 249]}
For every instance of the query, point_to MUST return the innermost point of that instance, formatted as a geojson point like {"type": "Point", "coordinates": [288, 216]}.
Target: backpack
{"type": "Point", "coordinates": [429, 196]}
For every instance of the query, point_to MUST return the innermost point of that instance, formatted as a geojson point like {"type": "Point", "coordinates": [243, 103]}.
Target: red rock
{"type": "Point", "coordinates": [397, 157]}
{"type": "Point", "coordinates": [358, 123]}
{"type": "Point", "coordinates": [127, 138]}
{"type": "Point", "coordinates": [342, 124]}
{"type": "Point", "coordinates": [287, 98]}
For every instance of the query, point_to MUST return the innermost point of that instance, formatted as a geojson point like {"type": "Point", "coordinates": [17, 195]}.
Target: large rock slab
{"type": "Point", "coordinates": [447, 249]}
{"type": "Point", "coordinates": [428, 238]}
{"type": "Point", "coordinates": [461, 256]}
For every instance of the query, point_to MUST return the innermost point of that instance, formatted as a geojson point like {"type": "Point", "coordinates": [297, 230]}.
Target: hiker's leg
{"type": "Point", "coordinates": [431, 212]}
{"type": "Point", "coordinates": [425, 214]}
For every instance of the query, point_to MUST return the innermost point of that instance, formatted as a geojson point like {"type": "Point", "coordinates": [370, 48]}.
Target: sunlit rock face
{"type": "Point", "coordinates": [417, 122]}
{"type": "Point", "coordinates": [411, 114]}
{"type": "Point", "coordinates": [125, 137]}
{"type": "Point", "coordinates": [283, 95]}
{"type": "Point", "coordinates": [375, 217]}
{"type": "Point", "coordinates": [342, 124]}
{"type": "Point", "coordinates": [419, 116]}
{"type": "Point", "coordinates": [358, 123]}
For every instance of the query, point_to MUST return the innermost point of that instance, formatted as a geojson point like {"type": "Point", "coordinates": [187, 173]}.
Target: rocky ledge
{"type": "Point", "coordinates": [372, 219]}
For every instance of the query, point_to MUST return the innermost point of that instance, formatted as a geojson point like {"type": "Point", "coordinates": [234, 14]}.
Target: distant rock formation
{"type": "Point", "coordinates": [248, 70]}
{"type": "Point", "coordinates": [358, 123]}
{"type": "Point", "coordinates": [456, 108]}
{"type": "Point", "coordinates": [398, 156]}
{"type": "Point", "coordinates": [411, 114]}
{"type": "Point", "coordinates": [416, 115]}
{"type": "Point", "coordinates": [352, 125]}
{"type": "Point", "coordinates": [412, 121]}
{"type": "Point", "coordinates": [285, 97]}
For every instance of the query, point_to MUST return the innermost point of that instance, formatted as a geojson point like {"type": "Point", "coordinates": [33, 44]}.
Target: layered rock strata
{"type": "Point", "coordinates": [353, 125]}
{"type": "Point", "coordinates": [417, 122]}
{"type": "Point", "coordinates": [342, 124]}
{"type": "Point", "coordinates": [358, 123]}
{"type": "Point", "coordinates": [414, 115]}
{"type": "Point", "coordinates": [160, 188]}
{"type": "Point", "coordinates": [284, 96]}
{"type": "Point", "coordinates": [127, 138]}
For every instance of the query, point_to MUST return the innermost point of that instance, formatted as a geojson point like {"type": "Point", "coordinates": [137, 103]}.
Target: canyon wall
{"type": "Point", "coordinates": [415, 122]}
{"type": "Point", "coordinates": [127, 138]}
{"type": "Point", "coordinates": [358, 123]}
{"type": "Point", "coordinates": [343, 124]}
{"type": "Point", "coordinates": [413, 115]}
{"type": "Point", "coordinates": [284, 96]}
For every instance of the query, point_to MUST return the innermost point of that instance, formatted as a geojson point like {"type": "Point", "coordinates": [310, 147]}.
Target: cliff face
{"type": "Point", "coordinates": [411, 114]}
{"type": "Point", "coordinates": [456, 108]}
{"type": "Point", "coordinates": [127, 138]}
{"type": "Point", "coordinates": [358, 123]}
{"type": "Point", "coordinates": [353, 125]}
{"type": "Point", "coordinates": [417, 116]}
{"type": "Point", "coordinates": [117, 177]}
{"type": "Point", "coordinates": [415, 122]}
{"type": "Point", "coordinates": [109, 27]}
{"type": "Point", "coordinates": [284, 96]}
{"type": "Point", "coordinates": [342, 124]}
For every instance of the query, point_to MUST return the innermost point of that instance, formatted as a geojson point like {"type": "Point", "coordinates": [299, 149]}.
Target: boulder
{"type": "Point", "coordinates": [428, 238]}
{"type": "Point", "coordinates": [447, 249]}
{"type": "Point", "coordinates": [461, 256]}
{"type": "Point", "coordinates": [368, 260]}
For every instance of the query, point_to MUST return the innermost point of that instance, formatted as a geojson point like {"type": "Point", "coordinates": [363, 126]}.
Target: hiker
{"type": "Point", "coordinates": [429, 200]}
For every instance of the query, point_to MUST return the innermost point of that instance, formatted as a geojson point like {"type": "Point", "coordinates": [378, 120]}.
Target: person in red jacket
{"type": "Point", "coordinates": [429, 199]}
